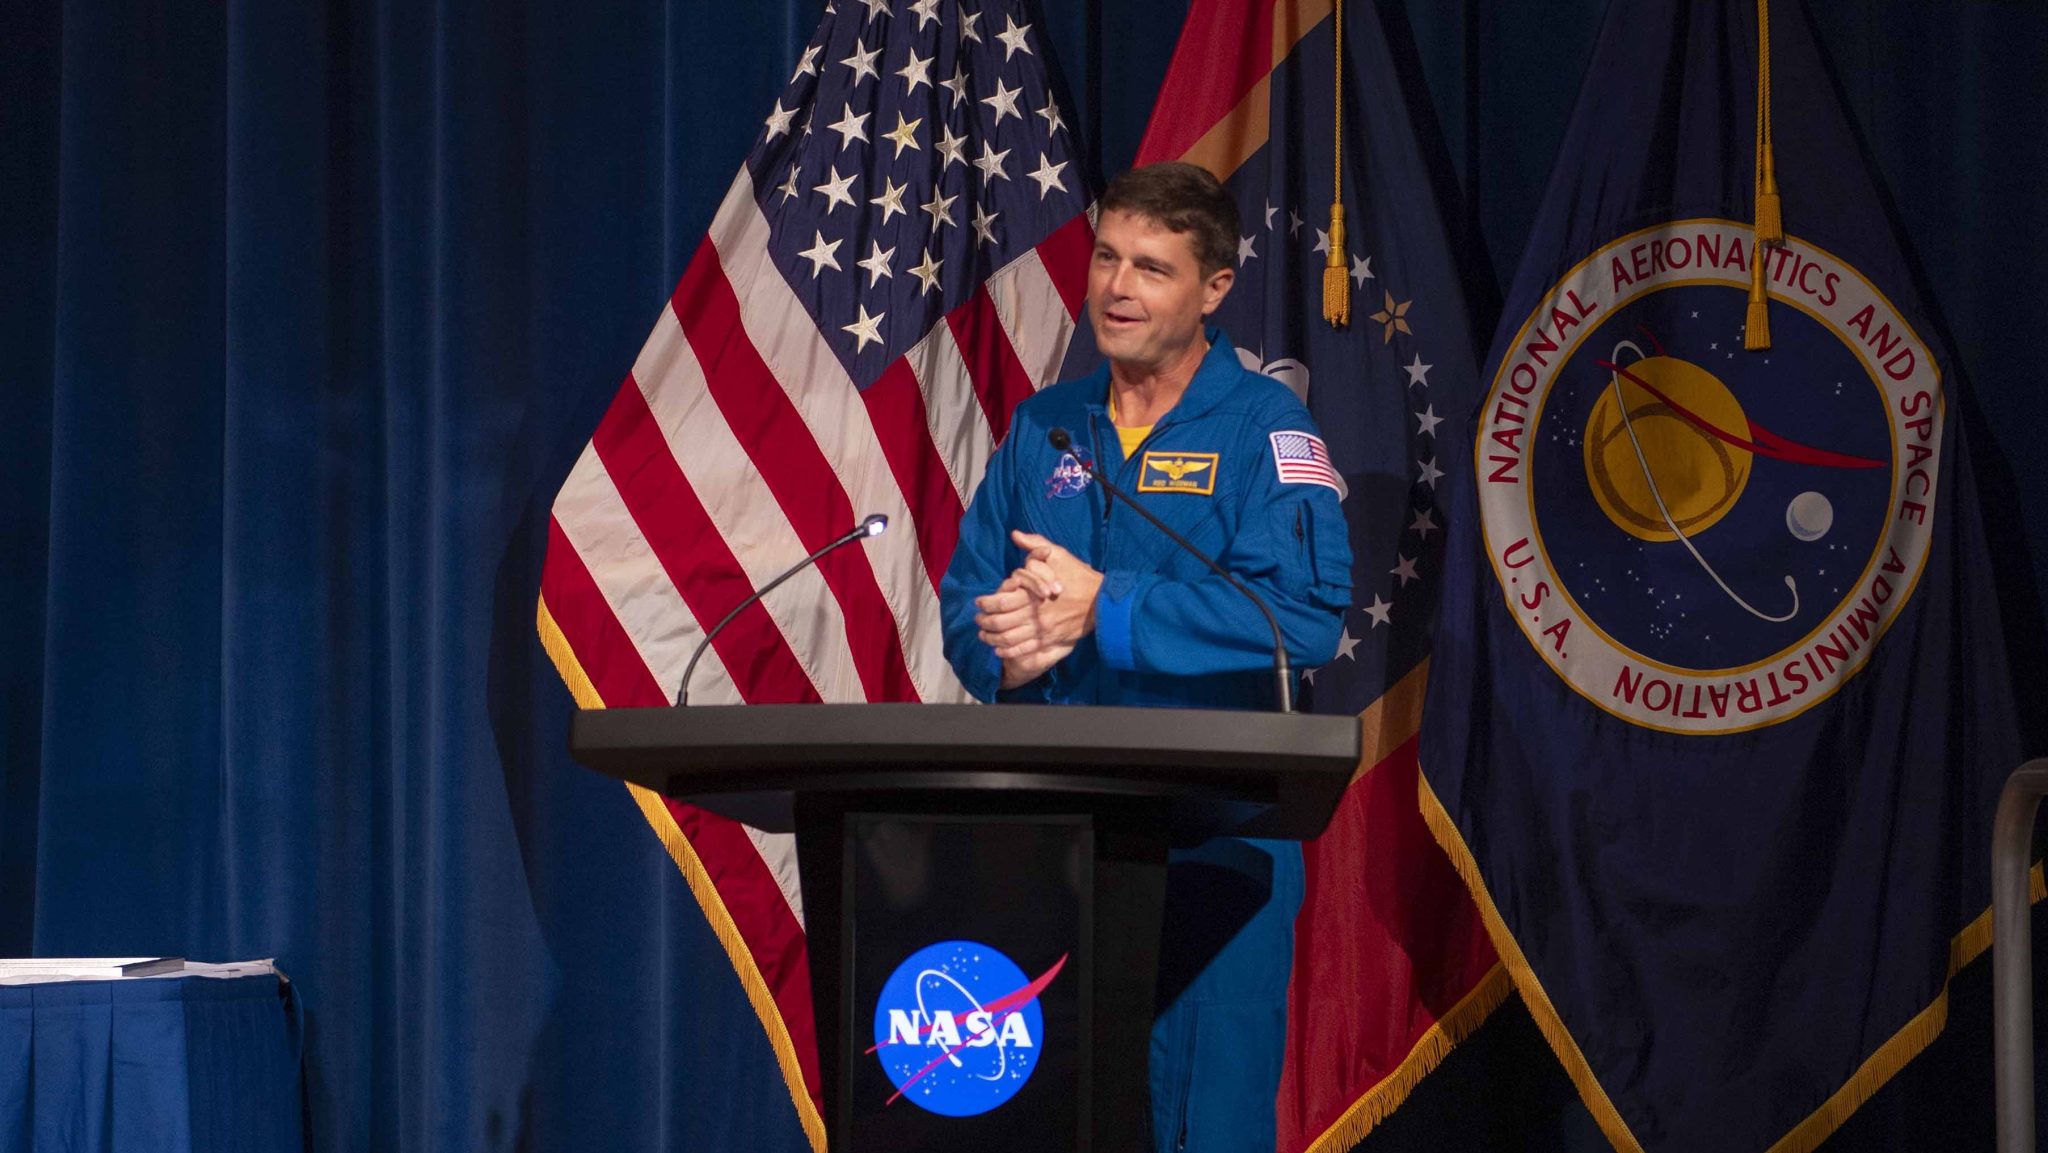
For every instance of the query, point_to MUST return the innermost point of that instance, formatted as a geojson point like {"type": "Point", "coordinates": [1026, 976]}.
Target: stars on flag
{"type": "Point", "coordinates": [926, 174]}
{"type": "Point", "coordinates": [1405, 548]}
{"type": "Point", "coordinates": [991, 163]}
{"type": "Point", "coordinates": [1012, 37]}
{"type": "Point", "coordinates": [837, 191]}
{"type": "Point", "coordinates": [1380, 610]}
{"type": "Point", "coordinates": [956, 84]}
{"type": "Point", "coordinates": [915, 72]}
{"type": "Point", "coordinates": [1047, 175]}
{"type": "Point", "coordinates": [927, 273]}
{"type": "Point", "coordinates": [863, 64]}
{"type": "Point", "coordinates": [877, 264]}
{"type": "Point", "coordinates": [808, 66]}
{"type": "Point", "coordinates": [904, 135]}
{"type": "Point", "coordinates": [1345, 644]}
{"type": "Point", "coordinates": [984, 224]}
{"type": "Point", "coordinates": [891, 199]}
{"type": "Point", "coordinates": [850, 127]}
{"type": "Point", "coordinates": [1051, 115]}
{"type": "Point", "coordinates": [952, 149]}
{"type": "Point", "coordinates": [1004, 102]}
{"type": "Point", "coordinates": [940, 208]}
{"type": "Point", "coordinates": [820, 254]}
{"type": "Point", "coordinates": [867, 329]}
{"type": "Point", "coordinates": [1394, 317]}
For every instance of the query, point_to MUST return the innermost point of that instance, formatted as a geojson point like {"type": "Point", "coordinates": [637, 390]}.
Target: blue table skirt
{"type": "Point", "coordinates": [158, 1065]}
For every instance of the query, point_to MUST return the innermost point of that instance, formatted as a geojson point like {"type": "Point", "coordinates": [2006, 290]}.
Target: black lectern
{"type": "Point", "coordinates": [927, 832]}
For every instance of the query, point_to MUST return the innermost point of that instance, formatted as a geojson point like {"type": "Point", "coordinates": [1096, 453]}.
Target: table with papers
{"type": "Point", "coordinates": [148, 1054]}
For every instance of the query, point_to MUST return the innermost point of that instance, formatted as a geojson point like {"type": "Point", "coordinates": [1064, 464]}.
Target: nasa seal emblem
{"type": "Point", "coordinates": [1696, 538]}
{"type": "Point", "coordinates": [958, 1028]}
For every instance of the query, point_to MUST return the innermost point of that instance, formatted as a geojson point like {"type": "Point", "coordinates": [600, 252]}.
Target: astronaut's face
{"type": "Point", "coordinates": [1147, 296]}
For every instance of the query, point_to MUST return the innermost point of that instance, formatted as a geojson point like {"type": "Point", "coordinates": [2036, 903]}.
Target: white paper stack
{"type": "Point", "coordinates": [35, 970]}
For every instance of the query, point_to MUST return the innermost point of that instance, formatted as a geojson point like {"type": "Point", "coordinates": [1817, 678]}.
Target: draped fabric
{"type": "Point", "coordinates": [305, 311]}
{"type": "Point", "coordinates": [329, 295]}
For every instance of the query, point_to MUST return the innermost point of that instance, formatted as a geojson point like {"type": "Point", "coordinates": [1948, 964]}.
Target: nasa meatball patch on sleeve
{"type": "Point", "coordinates": [1302, 458]}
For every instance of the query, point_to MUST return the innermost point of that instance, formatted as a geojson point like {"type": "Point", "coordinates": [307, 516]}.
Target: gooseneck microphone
{"type": "Point", "coordinates": [872, 526]}
{"type": "Point", "coordinates": [1283, 676]}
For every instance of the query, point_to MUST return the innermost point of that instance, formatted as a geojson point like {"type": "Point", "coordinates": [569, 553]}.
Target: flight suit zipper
{"type": "Point", "coordinates": [1123, 478]}
{"type": "Point", "coordinates": [1095, 446]}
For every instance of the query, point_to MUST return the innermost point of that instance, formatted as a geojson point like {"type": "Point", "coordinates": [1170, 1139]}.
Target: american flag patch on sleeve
{"type": "Point", "coordinates": [1302, 458]}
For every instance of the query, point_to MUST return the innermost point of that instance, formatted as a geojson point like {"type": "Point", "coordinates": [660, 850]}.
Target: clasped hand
{"type": "Point", "coordinates": [1040, 612]}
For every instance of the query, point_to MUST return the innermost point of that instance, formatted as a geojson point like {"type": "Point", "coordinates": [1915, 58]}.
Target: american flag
{"type": "Point", "coordinates": [1302, 459]}
{"type": "Point", "coordinates": [900, 262]}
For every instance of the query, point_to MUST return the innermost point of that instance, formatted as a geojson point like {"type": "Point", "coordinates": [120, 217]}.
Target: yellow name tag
{"type": "Point", "coordinates": [1193, 472]}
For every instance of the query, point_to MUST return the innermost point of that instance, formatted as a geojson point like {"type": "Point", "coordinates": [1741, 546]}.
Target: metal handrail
{"type": "Point", "coordinates": [2012, 958]}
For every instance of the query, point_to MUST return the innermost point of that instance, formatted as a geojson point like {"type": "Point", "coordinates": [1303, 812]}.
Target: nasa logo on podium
{"type": "Point", "coordinates": [958, 1028]}
{"type": "Point", "coordinates": [1695, 537]}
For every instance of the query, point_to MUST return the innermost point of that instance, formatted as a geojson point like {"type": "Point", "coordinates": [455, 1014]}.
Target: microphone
{"type": "Point", "coordinates": [1283, 677]}
{"type": "Point", "coordinates": [872, 526]}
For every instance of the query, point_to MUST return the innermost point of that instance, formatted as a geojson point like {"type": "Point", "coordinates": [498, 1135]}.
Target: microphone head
{"type": "Point", "coordinates": [875, 524]}
{"type": "Point", "coordinates": [1059, 439]}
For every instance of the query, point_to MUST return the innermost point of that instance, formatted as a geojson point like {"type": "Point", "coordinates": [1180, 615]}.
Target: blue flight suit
{"type": "Point", "coordinates": [1170, 633]}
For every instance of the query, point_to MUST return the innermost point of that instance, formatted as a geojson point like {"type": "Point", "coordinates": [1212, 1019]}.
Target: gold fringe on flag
{"type": "Point", "coordinates": [1445, 829]}
{"type": "Point", "coordinates": [1769, 231]}
{"type": "Point", "coordinates": [1805, 1137]}
{"type": "Point", "coordinates": [1337, 277]}
{"type": "Point", "coordinates": [1430, 1049]}
{"type": "Point", "coordinates": [698, 879]}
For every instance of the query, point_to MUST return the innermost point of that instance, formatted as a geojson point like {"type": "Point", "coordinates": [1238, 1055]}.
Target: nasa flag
{"type": "Point", "coordinates": [1720, 707]}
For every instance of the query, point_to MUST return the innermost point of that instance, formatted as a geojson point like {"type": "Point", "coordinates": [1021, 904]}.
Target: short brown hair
{"type": "Point", "coordinates": [1181, 198]}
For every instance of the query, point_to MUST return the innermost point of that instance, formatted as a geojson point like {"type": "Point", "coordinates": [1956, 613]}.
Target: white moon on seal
{"type": "Point", "coordinates": [1809, 516]}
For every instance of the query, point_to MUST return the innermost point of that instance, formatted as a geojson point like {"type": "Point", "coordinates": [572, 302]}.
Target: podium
{"type": "Point", "coordinates": [983, 887]}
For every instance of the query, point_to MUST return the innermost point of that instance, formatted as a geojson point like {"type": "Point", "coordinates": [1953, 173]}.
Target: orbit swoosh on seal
{"type": "Point", "coordinates": [1720, 708]}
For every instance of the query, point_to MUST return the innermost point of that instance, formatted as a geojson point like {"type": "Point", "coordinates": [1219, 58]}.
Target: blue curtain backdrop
{"type": "Point", "coordinates": [305, 310]}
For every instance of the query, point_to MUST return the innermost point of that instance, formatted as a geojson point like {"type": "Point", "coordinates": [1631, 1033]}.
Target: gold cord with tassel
{"type": "Point", "coordinates": [1769, 231]}
{"type": "Point", "coordinates": [1337, 277]}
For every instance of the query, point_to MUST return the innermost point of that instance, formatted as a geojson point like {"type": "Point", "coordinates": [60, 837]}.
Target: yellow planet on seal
{"type": "Point", "coordinates": [1699, 475]}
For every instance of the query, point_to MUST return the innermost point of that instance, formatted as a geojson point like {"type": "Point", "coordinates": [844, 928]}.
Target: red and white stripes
{"type": "Point", "coordinates": [737, 445]}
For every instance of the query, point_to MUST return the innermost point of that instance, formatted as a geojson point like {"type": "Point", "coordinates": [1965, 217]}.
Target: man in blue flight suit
{"type": "Point", "coordinates": [1053, 595]}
